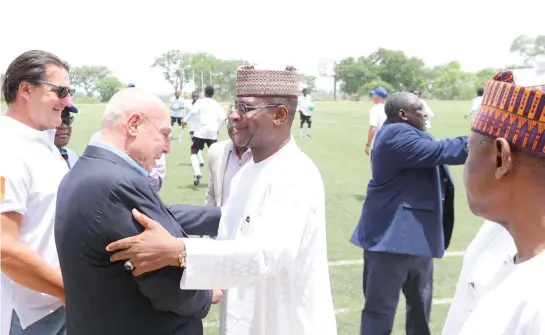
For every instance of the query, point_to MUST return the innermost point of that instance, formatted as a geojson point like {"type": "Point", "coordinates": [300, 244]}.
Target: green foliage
{"type": "Point", "coordinates": [107, 87]}
{"type": "Point", "coordinates": [309, 82]}
{"type": "Point", "coordinates": [86, 77]}
{"type": "Point", "coordinates": [202, 68]}
{"type": "Point", "coordinates": [395, 70]}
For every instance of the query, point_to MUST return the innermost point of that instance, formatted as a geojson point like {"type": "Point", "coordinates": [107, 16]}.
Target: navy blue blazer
{"type": "Point", "coordinates": [94, 206]}
{"type": "Point", "coordinates": [409, 206]}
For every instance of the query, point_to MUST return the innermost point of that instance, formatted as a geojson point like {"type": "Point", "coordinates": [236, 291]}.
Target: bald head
{"type": "Point", "coordinates": [137, 123]}
{"type": "Point", "coordinates": [132, 100]}
{"type": "Point", "coordinates": [406, 107]}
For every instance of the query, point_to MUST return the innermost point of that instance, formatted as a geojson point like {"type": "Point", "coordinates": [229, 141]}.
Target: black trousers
{"type": "Point", "coordinates": [385, 275]}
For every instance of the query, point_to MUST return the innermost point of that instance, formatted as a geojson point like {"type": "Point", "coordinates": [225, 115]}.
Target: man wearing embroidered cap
{"type": "Point", "coordinates": [505, 182]}
{"type": "Point", "coordinates": [271, 251]}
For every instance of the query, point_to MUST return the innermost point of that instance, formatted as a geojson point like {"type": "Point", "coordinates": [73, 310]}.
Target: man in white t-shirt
{"type": "Point", "coordinates": [191, 124]}
{"type": "Point", "coordinates": [475, 103]}
{"type": "Point", "coordinates": [511, 192]}
{"type": "Point", "coordinates": [305, 108]}
{"type": "Point", "coordinates": [209, 117]}
{"type": "Point", "coordinates": [176, 112]}
{"type": "Point", "coordinates": [377, 116]}
{"type": "Point", "coordinates": [427, 108]}
{"type": "Point", "coordinates": [37, 89]}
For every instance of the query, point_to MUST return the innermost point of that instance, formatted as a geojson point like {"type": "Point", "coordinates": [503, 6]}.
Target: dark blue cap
{"type": "Point", "coordinates": [381, 92]}
{"type": "Point", "coordinates": [72, 109]}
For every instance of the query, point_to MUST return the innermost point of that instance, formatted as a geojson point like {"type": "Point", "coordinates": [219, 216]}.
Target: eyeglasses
{"type": "Point", "coordinates": [67, 119]}
{"type": "Point", "coordinates": [166, 137]}
{"type": "Point", "coordinates": [242, 108]}
{"type": "Point", "coordinates": [62, 91]}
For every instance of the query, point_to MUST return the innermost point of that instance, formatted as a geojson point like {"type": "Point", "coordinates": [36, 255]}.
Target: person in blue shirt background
{"type": "Point", "coordinates": [62, 136]}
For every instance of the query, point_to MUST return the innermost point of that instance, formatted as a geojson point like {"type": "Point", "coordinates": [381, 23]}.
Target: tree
{"type": "Point", "coordinates": [107, 87]}
{"type": "Point", "coordinates": [308, 82]}
{"type": "Point", "coordinates": [451, 83]}
{"type": "Point", "coordinates": [202, 69]}
{"type": "Point", "coordinates": [354, 73]}
{"type": "Point", "coordinates": [86, 77]}
{"type": "Point", "coordinates": [529, 48]}
{"type": "Point", "coordinates": [401, 72]}
{"type": "Point", "coordinates": [172, 64]}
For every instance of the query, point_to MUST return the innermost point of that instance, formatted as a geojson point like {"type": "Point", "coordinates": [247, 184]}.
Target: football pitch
{"type": "Point", "coordinates": [339, 134]}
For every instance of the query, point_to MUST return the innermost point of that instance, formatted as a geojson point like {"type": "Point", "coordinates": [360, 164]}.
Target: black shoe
{"type": "Point", "coordinates": [197, 180]}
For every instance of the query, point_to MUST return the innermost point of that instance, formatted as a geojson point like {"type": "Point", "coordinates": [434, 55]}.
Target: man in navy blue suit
{"type": "Point", "coordinates": [94, 205]}
{"type": "Point", "coordinates": [407, 217]}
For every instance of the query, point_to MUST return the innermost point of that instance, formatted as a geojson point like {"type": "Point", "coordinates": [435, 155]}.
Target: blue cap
{"type": "Point", "coordinates": [72, 109]}
{"type": "Point", "coordinates": [381, 92]}
{"type": "Point", "coordinates": [131, 85]}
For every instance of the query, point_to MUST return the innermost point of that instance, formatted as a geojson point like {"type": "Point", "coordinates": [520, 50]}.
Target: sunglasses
{"type": "Point", "coordinates": [62, 91]}
{"type": "Point", "coordinates": [242, 108]}
{"type": "Point", "coordinates": [67, 119]}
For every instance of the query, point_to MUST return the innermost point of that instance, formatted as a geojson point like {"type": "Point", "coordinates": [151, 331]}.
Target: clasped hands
{"type": "Point", "coordinates": [151, 250]}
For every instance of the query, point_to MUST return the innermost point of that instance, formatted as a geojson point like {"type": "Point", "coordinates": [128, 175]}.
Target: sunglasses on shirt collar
{"type": "Point", "coordinates": [62, 91]}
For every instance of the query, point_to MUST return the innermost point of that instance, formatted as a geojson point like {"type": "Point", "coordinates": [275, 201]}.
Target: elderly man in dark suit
{"type": "Point", "coordinates": [407, 217]}
{"type": "Point", "coordinates": [94, 206]}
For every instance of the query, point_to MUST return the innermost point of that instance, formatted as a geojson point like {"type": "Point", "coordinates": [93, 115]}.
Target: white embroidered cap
{"type": "Point", "coordinates": [261, 82]}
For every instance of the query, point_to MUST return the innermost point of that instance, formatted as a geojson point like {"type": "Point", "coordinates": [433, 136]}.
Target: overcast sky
{"type": "Point", "coordinates": [126, 37]}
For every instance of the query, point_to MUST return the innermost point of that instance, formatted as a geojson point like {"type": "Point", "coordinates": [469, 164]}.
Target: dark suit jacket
{"type": "Point", "coordinates": [409, 207]}
{"type": "Point", "coordinates": [94, 206]}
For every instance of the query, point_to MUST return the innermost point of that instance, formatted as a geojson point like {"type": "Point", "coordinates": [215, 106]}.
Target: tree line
{"type": "Point", "coordinates": [355, 76]}
{"type": "Point", "coordinates": [396, 71]}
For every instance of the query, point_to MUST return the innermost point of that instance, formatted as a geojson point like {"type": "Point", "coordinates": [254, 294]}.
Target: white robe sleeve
{"type": "Point", "coordinates": [274, 243]}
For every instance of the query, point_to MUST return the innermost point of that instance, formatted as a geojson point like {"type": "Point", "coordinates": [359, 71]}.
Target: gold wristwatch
{"type": "Point", "coordinates": [181, 258]}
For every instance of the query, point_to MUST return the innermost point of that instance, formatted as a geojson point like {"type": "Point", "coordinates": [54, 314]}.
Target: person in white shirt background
{"type": "Point", "coordinates": [427, 108]}
{"type": "Point", "coordinates": [272, 253]}
{"type": "Point", "coordinates": [176, 113]}
{"type": "Point", "coordinates": [191, 124]}
{"type": "Point", "coordinates": [305, 108]}
{"type": "Point", "coordinates": [505, 182]}
{"type": "Point", "coordinates": [37, 89]}
{"type": "Point", "coordinates": [209, 118]}
{"type": "Point", "coordinates": [475, 103]}
{"type": "Point", "coordinates": [62, 136]}
{"type": "Point", "coordinates": [377, 116]}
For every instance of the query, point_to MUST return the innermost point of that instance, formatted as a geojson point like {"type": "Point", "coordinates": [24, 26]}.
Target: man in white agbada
{"type": "Point", "coordinates": [504, 177]}
{"type": "Point", "coordinates": [484, 256]}
{"type": "Point", "coordinates": [271, 252]}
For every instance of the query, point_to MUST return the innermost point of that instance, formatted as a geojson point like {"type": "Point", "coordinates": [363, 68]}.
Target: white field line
{"type": "Point", "coordinates": [339, 311]}
{"type": "Point", "coordinates": [360, 261]}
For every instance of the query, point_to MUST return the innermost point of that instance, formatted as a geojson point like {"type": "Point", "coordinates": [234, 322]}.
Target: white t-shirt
{"type": "Point", "coordinates": [176, 106]}
{"type": "Point", "coordinates": [484, 256]}
{"type": "Point", "coordinates": [303, 104]}
{"type": "Point", "coordinates": [208, 116]}
{"type": "Point", "coordinates": [476, 104]}
{"type": "Point", "coordinates": [377, 116]}
{"type": "Point", "coordinates": [513, 303]}
{"type": "Point", "coordinates": [32, 175]}
{"type": "Point", "coordinates": [191, 124]}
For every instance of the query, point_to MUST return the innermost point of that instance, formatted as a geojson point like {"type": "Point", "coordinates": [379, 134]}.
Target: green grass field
{"type": "Point", "coordinates": [337, 148]}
